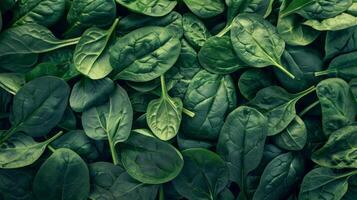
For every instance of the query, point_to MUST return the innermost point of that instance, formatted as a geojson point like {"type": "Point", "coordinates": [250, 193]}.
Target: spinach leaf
{"type": "Point", "coordinates": [16, 183]}
{"type": "Point", "coordinates": [338, 150]}
{"type": "Point", "coordinates": [195, 31]}
{"type": "Point", "coordinates": [112, 182]}
{"type": "Point", "coordinates": [87, 93]}
{"type": "Point", "coordinates": [11, 82]}
{"type": "Point", "coordinates": [256, 42]}
{"type": "Point", "coordinates": [211, 97]}
{"type": "Point", "coordinates": [339, 22]}
{"type": "Point", "coordinates": [87, 13]}
{"type": "Point", "coordinates": [20, 46]}
{"type": "Point", "coordinates": [39, 106]}
{"type": "Point", "coordinates": [159, 51]}
{"type": "Point", "coordinates": [111, 121]}
{"type": "Point", "coordinates": [324, 183]}
{"type": "Point", "coordinates": [69, 177]}
{"type": "Point", "coordinates": [217, 56]}
{"type": "Point", "coordinates": [150, 160]}
{"type": "Point", "coordinates": [203, 176]}
{"type": "Point", "coordinates": [278, 106]}
{"type": "Point", "coordinates": [21, 150]}
{"type": "Point", "coordinates": [43, 12]}
{"type": "Point", "coordinates": [280, 177]}
{"type": "Point", "coordinates": [323, 9]}
{"type": "Point", "coordinates": [241, 143]}
{"type": "Point", "coordinates": [294, 137]}
{"type": "Point", "coordinates": [338, 42]}
{"type": "Point", "coordinates": [156, 8]}
{"type": "Point", "coordinates": [164, 115]}
{"type": "Point", "coordinates": [91, 56]}
{"type": "Point", "coordinates": [205, 8]}
{"type": "Point", "coordinates": [337, 104]}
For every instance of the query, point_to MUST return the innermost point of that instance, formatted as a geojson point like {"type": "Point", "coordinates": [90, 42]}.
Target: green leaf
{"type": "Point", "coordinates": [205, 8]}
{"type": "Point", "coordinates": [241, 143]}
{"type": "Point", "coordinates": [111, 121]}
{"type": "Point", "coordinates": [293, 6]}
{"type": "Point", "coordinates": [150, 160]}
{"type": "Point", "coordinates": [43, 12]}
{"type": "Point", "coordinates": [203, 176]}
{"type": "Point", "coordinates": [159, 51]}
{"type": "Point", "coordinates": [38, 107]}
{"type": "Point", "coordinates": [69, 177]}
{"type": "Point", "coordinates": [21, 150]}
{"type": "Point", "coordinates": [257, 42]}
{"type": "Point", "coordinates": [337, 104]}
{"type": "Point", "coordinates": [323, 183]}
{"type": "Point", "coordinates": [87, 93]}
{"type": "Point", "coordinates": [195, 31]}
{"type": "Point", "coordinates": [91, 56]}
{"type": "Point", "coordinates": [164, 115]}
{"type": "Point", "coordinates": [11, 82]}
{"type": "Point", "coordinates": [217, 56]}
{"type": "Point", "coordinates": [339, 22]}
{"type": "Point", "coordinates": [338, 150]}
{"type": "Point", "coordinates": [280, 177]}
{"type": "Point", "coordinates": [156, 8]}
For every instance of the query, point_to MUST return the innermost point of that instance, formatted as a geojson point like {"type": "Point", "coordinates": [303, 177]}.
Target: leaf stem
{"type": "Point", "coordinates": [307, 109]}
{"type": "Point", "coordinates": [163, 86]}
{"type": "Point", "coordinates": [306, 92]}
{"type": "Point", "coordinates": [284, 70]}
{"type": "Point", "coordinates": [51, 148]}
{"type": "Point", "coordinates": [325, 72]}
{"type": "Point", "coordinates": [225, 30]}
{"type": "Point", "coordinates": [113, 152]}
{"type": "Point", "coordinates": [188, 112]}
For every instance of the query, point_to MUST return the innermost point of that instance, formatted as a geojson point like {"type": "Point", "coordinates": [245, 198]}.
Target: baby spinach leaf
{"type": "Point", "coordinates": [241, 143]}
{"type": "Point", "coordinates": [11, 82]}
{"type": "Point", "coordinates": [39, 106]}
{"type": "Point", "coordinates": [21, 150]}
{"type": "Point", "coordinates": [205, 8]}
{"type": "Point", "coordinates": [217, 56]}
{"type": "Point", "coordinates": [150, 160]}
{"type": "Point", "coordinates": [78, 142]}
{"type": "Point", "coordinates": [339, 22]}
{"type": "Point", "coordinates": [20, 46]}
{"type": "Point", "coordinates": [253, 80]}
{"type": "Point", "coordinates": [278, 106]}
{"type": "Point", "coordinates": [69, 177]}
{"type": "Point", "coordinates": [87, 93]}
{"type": "Point", "coordinates": [338, 150]}
{"type": "Point", "coordinates": [164, 115]}
{"type": "Point", "coordinates": [87, 13]}
{"type": "Point", "coordinates": [159, 51]}
{"type": "Point", "coordinates": [172, 21]}
{"type": "Point", "coordinates": [195, 31]}
{"type": "Point", "coordinates": [280, 177]}
{"type": "Point", "coordinates": [343, 66]}
{"type": "Point", "coordinates": [203, 176]}
{"type": "Point", "coordinates": [294, 137]}
{"type": "Point", "coordinates": [155, 8]}
{"type": "Point", "coordinates": [338, 42]}
{"type": "Point", "coordinates": [252, 47]}
{"type": "Point", "coordinates": [91, 56]}
{"type": "Point", "coordinates": [323, 9]}
{"type": "Point", "coordinates": [111, 121]}
{"type": "Point", "coordinates": [43, 12]}
{"type": "Point", "coordinates": [337, 104]}
{"type": "Point", "coordinates": [323, 183]}
{"type": "Point", "coordinates": [112, 182]}
{"type": "Point", "coordinates": [16, 183]}
{"type": "Point", "coordinates": [211, 97]}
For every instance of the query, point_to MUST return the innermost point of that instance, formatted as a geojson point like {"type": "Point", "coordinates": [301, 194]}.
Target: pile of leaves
{"type": "Point", "coordinates": [186, 99]}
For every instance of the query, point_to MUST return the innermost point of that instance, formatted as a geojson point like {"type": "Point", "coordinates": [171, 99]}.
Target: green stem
{"type": "Point", "coordinates": [306, 92]}
{"type": "Point", "coordinates": [113, 152]}
{"type": "Point", "coordinates": [307, 109]}
{"type": "Point", "coordinates": [325, 72]}
{"type": "Point", "coordinates": [224, 31]}
{"type": "Point", "coordinates": [161, 194]}
{"type": "Point", "coordinates": [284, 70]}
{"type": "Point", "coordinates": [188, 112]}
{"type": "Point", "coordinates": [163, 86]}
{"type": "Point", "coordinates": [51, 148]}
